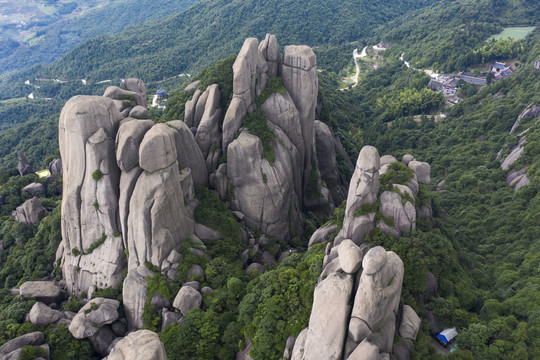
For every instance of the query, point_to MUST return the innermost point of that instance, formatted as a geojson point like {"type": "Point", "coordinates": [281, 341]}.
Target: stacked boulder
{"type": "Point", "coordinates": [128, 189]}
{"type": "Point", "coordinates": [355, 311]}
{"type": "Point", "coordinates": [123, 204]}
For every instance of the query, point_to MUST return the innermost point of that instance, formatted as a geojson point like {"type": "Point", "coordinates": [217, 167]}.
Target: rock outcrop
{"type": "Point", "coordinates": [44, 291]}
{"type": "Point", "coordinates": [30, 212]}
{"type": "Point", "coordinates": [128, 190]}
{"type": "Point", "coordinates": [355, 313]}
{"type": "Point", "coordinates": [23, 166]}
{"type": "Point", "coordinates": [140, 345]}
{"type": "Point", "coordinates": [122, 193]}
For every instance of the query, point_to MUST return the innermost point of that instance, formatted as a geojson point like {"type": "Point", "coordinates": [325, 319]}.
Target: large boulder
{"type": "Point", "coordinates": [233, 120]}
{"type": "Point", "coordinates": [135, 85]}
{"type": "Point", "coordinates": [87, 132]}
{"type": "Point", "coordinates": [187, 299]}
{"type": "Point", "coordinates": [329, 316]}
{"type": "Point", "coordinates": [134, 296]}
{"type": "Point", "coordinates": [92, 316]}
{"type": "Point", "coordinates": [42, 315]}
{"type": "Point", "coordinates": [350, 256]}
{"type": "Point", "coordinates": [158, 220]}
{"type": "Point", "coordinates": [403, 215]}
{"type": "Point", "coordinates": [140, 345]}
{"type": "Point", "coordinates": [158, 148]}
{"type": "Point", "coordinates": [35, 189]}
{"type": "Point", "coordinates": [377, 299]}
{"type": "Point", "coordinates": [31, 212]}
{"type": "Point", "coordinates": [191, 105]}
{"type": "Point", "coordinates": [422, 171]}
{"type": "Point", "coordinates": [269, 49]}
{"type": "Point", "coordinates": [410, 323]}
{"type": "Point", "coordinates": [322, 234]}
{"type": "Point", "coordinates": [117, 93]}
{"type": "Point", "coordinates": [23, 166]}
{"type": "Point", "coordinates": [189, 153]}
{"type": "Point", "coordinates": [44, 291]}
{"type": "Point", "coordinates": [128, 140]}
{"type": "Point", "coordinates": [34, 338]}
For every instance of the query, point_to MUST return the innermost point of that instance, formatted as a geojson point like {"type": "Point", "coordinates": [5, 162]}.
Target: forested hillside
{"type": "Point", "coordinates": [481, 244]}
{"type": "Point", "coordinates": [50, 42]}
{"type": "Point", "coordinates": [198, 37]}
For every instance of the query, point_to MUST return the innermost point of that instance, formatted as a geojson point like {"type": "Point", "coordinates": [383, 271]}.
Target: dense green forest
{"type": "Point", "coordinates": [201, 35]}
{"type": "Point", "coordinates": [448, 35]}
{"type": "Point", "coordinates": [483, 245]}
{"type": "Point", "coordinates": [51, 42]}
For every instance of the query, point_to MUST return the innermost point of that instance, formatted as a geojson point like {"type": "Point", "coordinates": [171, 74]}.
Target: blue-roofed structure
{"type": "Point", "coordinates": [446, 336]}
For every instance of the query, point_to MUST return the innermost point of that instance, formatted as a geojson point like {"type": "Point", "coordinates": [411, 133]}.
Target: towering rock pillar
{"type": "Point", "coordinates": [93, 251]}
{"type": "Point", "coordinates": [299, 74]}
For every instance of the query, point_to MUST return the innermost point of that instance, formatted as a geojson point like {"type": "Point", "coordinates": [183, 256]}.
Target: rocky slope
{"type": "Point", "coordinates": [356, 311]}
{"type": "Point", "coordinates": [128, 189]}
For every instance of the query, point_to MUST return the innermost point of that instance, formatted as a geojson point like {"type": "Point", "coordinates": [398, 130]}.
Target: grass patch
{"type": "Point", "coordinates": [398, 173]}
{"type": "Point", "coordinates": [255, 122]}
{"type": "Point", "coordinates": [365, 209]}
{"type": "Point", "coordinates": [273, 85]}
{"type": "Point", "coordinates": [213, 213]}
{"type": "Point", "coordinates": [95, 245]}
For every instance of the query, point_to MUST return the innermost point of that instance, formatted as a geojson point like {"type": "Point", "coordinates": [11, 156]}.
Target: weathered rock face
{"type": "Point", "coordinates": [44, 291]}
{"type": "Point", "coordinates": [371, 323]}
{"type": "Point", "coordinates": [23, 166]}
{"type": "Point", "coordinates": [87, 130]}
{"type": "Point", "coordinates": [328, 322]}
{"type": "Point", "coordinates": [326, 156]}
{"type": "Point", "coordinates": [122, 195]}
{"type": "Point", "coordinates": [93, 316]}
{"type": "Point", "coordinates": [262, 191]}
{"type": "Point", "coordinates": [363, 190]}
{"type": "Point", "coordinates": [141, 345]}
{"type": "Point", "coordinates": [299, 74]}
{"type": "Point", "coordinates": [30, 212]}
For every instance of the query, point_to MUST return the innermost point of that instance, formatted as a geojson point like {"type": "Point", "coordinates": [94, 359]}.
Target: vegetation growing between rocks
{"type": "Point", "coordinates": [256, 123]}
{"type": "Point", "coordinates": [273, 85]}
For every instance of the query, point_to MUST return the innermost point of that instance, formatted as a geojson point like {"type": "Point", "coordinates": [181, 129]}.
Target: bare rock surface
{"type": "Point", "coordinates": [92, 316]}
{"type": "Point", "coordinates": [140, 345]}
{"type": "Point", "coordinates": [44, 291]}
{"type": "Point", "coordinates": [23, 166]}
{"type": "Point", "coordinates": [327, 329]}
{"type": "Point", "coordinates": [31, 212]}
{"type": "Point", "coordinates": [187, 299]}
{"type": "Point", "coordinates": [42, 315]}
{"type": "Point", "coordinates": [410, 323]}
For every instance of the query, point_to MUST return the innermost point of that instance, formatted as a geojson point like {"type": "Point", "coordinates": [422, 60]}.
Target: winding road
{"type": "Point", "coordinates": [357, 56]}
